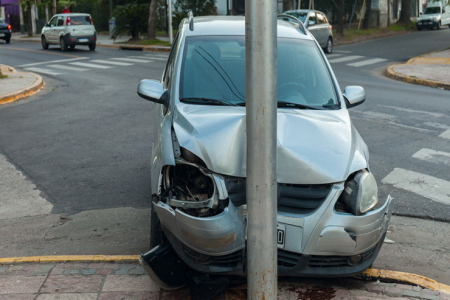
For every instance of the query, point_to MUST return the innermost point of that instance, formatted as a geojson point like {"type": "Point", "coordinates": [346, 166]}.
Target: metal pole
{"type": "Point", "coordinates": [261, 87]}
{"type": "Point", "coordinates": [170, 22]}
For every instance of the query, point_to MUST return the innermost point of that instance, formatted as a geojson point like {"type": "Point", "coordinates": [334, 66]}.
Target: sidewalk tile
{"type": "Point", "coordinates": [78, 296]}
{"type": "Point", "coordinates": [392, 291]}
{"type": "Point", "coordinates": [121, 272]}
{"type": "Point", "coordinates": [445, 296]}
{"type": "Point", "coordinates": [125, 283]}
{"type": "Point", "coordinates": [184, 294]}
{"type": "Point", "coordinates": [3, 269]}
{"type": "Point", "coordinates": [88, 271]}
{"type": "Point", "coordinates": [21, 269]}
{"type": "Point", "coordinates": [96, 265]}
{"type": "Point", "coordinates": [340, 294]}
{"type": "Point", "coordinates": [72, 284]}
{"type": "Point", "coordinates": [111, 266]}
{"type": "Point", "coordinates": [71, 272]}
{"type": "Point", "coordinates": [137, 271]}
{"type": "Point", "coordinates": [130, 296]}
{"type": "Point", "coordinates": [410, 293]}
{"type": "Point", "coordinates": [104, 271]}
{"type": "Point", "coordinates": [43, 270]}
{"type": "Point", "coordinates": [430, 295]}
{"type": "Point", "coordinates": [374, 289]}
{"type": "Point", "coordinates": [404, 286]}
{"type": "Point", "coordinates": [15, 284]}
{"type": "Point", "coordinates": [18, 297]}
{"type": "Point", "coordinates": [57, 271]}
{"type": "Point", "coordinates": [77, 265]}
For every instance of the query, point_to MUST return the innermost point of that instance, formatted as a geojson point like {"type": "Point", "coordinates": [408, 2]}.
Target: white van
{"type": "Point", "coordinates": [435, 15]}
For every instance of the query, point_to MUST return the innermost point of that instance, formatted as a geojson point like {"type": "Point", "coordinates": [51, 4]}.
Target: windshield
{"type": "Point", "coordinates": [1, 21]}
{"type": "Point", "coordinates": [432, 10]}
{"type": "Point", "coordinates": [213, 70]}
{"type": "Point", "coordinates": [299, 15]}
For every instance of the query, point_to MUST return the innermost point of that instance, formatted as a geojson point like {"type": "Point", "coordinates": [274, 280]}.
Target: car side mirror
{"type": "Point", "coordinates": [311, 23]}
{"type": "Point", "coordinates": [154, 91]}
{"type": "Point", "coordinates": [354, 95]}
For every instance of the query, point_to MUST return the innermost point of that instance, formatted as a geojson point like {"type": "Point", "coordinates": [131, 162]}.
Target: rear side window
{"type": "Point", "coordinates": [60, 22]}
{"type": "Point", "coordinates": [320, 19]}
{"type": "Point", "coordinates": [80, 20]}
{"type": "Point", "coordinates": [312, 17]}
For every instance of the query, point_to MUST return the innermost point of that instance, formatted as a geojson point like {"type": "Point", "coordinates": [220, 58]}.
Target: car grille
{"type": "Point", "coordinates": [301, 199]}
{"type": "Point", "coordinates": [319, 261]}
{"type": "Point", "coordinates": [288, 259]}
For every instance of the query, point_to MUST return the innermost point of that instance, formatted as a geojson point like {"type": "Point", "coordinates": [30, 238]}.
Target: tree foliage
{"type": "Point", "coordinates": [198, 7]}
{"type": "Point", "coordinates": [131, 19]}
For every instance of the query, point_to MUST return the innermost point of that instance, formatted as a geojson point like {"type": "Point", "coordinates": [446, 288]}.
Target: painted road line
{"type": "Point", "coordinates": [51, 62]}
{"type": "Point", "coordinates": [148, 57]}
{"type": "Point", "coordinates": [329, 56]}
{"type": "Point", "coordinates": [432, 114]}
{"type": "Point", "coordinates": [427, 186]}
{"type": "Point", "coordinates": [90, 65]}
{"type": "Point", "coordinates": [345, 58]}
{"type": "Point", "coordinates": [132, 60]}
{"type": "Point", "coordinates": [43, 71]}
{"type": "Point", "coordinates": [116, 63]}
{"type": "Point", "coordinates": [69, 68]}
{"type": "Point", "coordinates": [433, 156]}
{"type": "Point", "coordinates": [367, 62]}
{"type": "Point", "coordinates": [445, 135]}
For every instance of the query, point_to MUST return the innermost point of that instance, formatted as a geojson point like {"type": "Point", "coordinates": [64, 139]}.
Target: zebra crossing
{"type": "Point", "coordinates": [82, 64]}
{"type": "Point", "coordinates": [427, 186]}
{"type": "Point", "coordinates": [356, 61]}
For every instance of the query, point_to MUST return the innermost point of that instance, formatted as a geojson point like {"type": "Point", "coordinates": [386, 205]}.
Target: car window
{"type": "Point", "coordinates": [53, 21]}
{"type": "Point", "coordinates": [80, 20]}
{"type": "Point", "coordinates": [432, 10]}
{"type": "Point", "coordinates": [299, 15]}
{"type": "Point", "coordinates": [320, 19]}
{"type": "Point", "coordinates": [312, 17]}
{"type": "Point", "coordinates": [214, 68]}
{"type": "Point", "coordinates": [60, 22]}
{"type": "Point", "coordinates": [1, 21]}
{"type": "Point", "coordinates": [167, 77]}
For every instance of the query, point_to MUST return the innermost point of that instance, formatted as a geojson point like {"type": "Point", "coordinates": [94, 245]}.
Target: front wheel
{"type": "Point", "coordinates": [419, 29]}
{"type": "Point", "coordinates": [438, 26]}
{"type": "Point", "coordinates": [44, 43]}
{"type": "Point", "coordinates": [92, 47]}
{"type": "Point", "coordinates": [63, 45]}
{"type": "Point", "coordinates": [329, 48]}
{"type": "Point", "coordinates": [8, 41]}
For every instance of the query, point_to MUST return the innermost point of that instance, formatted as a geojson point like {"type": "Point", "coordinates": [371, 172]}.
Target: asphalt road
{"type": "Point", "coordinates": [85, 140]}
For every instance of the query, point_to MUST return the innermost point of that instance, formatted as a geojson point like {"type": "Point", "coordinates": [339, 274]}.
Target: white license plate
{"type": "Point", "coordinates": [82, 40]}
{"type": "Point", "coordinates": [2, 34]}
{"type": "Point", "coordinates": [281, 235]}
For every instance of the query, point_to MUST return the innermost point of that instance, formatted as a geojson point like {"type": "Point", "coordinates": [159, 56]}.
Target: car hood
{"type": "Point", "coordinates": [313, 147]}
{"type": "Point", "coordinates": [428, 17]}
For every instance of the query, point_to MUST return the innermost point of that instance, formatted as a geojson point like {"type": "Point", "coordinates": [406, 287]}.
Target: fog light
{"type": "Point", "coordinates": [355, 260]}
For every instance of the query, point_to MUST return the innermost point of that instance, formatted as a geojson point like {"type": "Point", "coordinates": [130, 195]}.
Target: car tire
{"type": "Point", "coordinates": [448, 25]}
{"type": "Point", "coordinates": [329, 47]}
{"type": "Point", "coordinates": [44, 43]}
{"type": "Point", "coordinates": [8, 41]}
{"type": "Point", "coordinates": [63, 45]}
{"type": "Point", "coordinates": [419, 29]}
{"type": "Point", "coordinates": [92, 47]}
{"type": "Point", "coordinates": [438, 26]}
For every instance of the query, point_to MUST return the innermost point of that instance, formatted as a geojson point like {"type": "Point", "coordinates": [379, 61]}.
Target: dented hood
{"type": "Point", "coordinates": [313, 146]}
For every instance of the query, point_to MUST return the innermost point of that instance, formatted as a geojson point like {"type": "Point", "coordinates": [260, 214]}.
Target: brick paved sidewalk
{"type": "Point", "coordinates": [126, 280]}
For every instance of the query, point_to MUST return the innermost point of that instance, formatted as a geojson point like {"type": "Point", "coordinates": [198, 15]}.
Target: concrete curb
{"type": "Point", "coordinates": [68, 258]}
{"type": "Point", "coordinates": [409, 278]}
{"type": "Point", "coordinates": [25, 92]}
{"type": "Point", "coordinates": [426, 82]}
{"type": "Point", "coordinates": [119, 47]}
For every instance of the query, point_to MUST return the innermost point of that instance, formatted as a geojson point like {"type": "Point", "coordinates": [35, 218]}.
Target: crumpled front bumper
{"type": "Point", "coordinates": [316, 244]}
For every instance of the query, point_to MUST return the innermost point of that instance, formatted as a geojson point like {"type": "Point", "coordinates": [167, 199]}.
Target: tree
{"type": "Point", "coordinates": [30, 26]}
{"type": "Point", "coordinates": [151, 30]}
{"type": "Point", "coordinates": [340, 18]}
{"type": "Point", "coordinates": [131, 20]}
{"type": "Point", "coordinates": [198, 7]}
{"type": "Point", "coordinates": [405, 13]}
{"type": "Point", "coordinates": [366, 21]}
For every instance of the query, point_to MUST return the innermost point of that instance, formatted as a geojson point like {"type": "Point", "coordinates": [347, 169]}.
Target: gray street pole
{"type": "Point", "coordinates": [261, 94]}
{"type": "Point", "coordinates": [170, 21]}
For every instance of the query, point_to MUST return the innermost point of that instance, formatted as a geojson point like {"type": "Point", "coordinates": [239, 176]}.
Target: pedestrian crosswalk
{"type": "Point", "coordinates": [82, 64]}
{"type": "Point", "coordinates": [350, 60]}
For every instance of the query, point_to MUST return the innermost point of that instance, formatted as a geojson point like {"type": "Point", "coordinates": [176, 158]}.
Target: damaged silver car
{"type": "Point", "coordinates": [329, 223]}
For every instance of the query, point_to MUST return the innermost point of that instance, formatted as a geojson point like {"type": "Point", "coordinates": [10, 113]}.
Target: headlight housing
{"type": "Point", "coordinates": [360, 193]}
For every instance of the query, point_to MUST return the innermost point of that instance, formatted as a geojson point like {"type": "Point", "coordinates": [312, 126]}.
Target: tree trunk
{"type": "Point", "coordinates": [340, 21]}
{"type": "Point", "coordinates": [366, 21]}
{"type": "Point", "coordinates": [405, 13]}
{"type": "Point", "coordinates": [54, 7]}
{"type": "Point", "coordinates": [151, 30]}
{"type": "Point", "coordinates": [30, 26]}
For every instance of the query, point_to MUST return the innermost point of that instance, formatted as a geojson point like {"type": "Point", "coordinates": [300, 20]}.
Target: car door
{"type": "Point", "coordinates": [312, 25]}
{"type": "Point", "coordinates": [59, 28]}
{"type": "Point", "coordinates": [446, 15]}
{"type": "Point", "coordinates": [322, 29]}
{"type": "Point", "coordinates": [49, 32]}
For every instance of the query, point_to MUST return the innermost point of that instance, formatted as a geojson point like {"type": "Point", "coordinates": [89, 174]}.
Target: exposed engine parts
{"type": "Point", "coordinates": [193, 189]}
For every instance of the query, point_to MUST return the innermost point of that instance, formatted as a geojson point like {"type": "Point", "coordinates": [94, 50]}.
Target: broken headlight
{"type": "Point", "coordinates": [360, 194]}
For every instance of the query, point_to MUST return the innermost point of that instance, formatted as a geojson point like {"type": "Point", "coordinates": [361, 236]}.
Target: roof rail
{"type": "Point", "coordinates": [191, 20]}
{"type": "Point", "coordinates": [300, 23]}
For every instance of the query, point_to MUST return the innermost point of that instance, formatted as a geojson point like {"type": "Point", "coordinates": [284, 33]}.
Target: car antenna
{"type": "Point", "coordinates": [191, 20]}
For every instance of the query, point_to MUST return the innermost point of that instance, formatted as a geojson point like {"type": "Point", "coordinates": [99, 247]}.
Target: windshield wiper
{"type": "Point", "coordinates": [296, 105]}
{"type": "Point", "coordinates": [200, 100]}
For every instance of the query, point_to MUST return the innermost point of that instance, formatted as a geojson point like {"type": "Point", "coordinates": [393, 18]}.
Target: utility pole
{"type": "Point", "coordinates": [54, 7]}
{"type": "Point", "coordinates": [261, 109]}
{"type": "Point", "coordinates": [170, 21]}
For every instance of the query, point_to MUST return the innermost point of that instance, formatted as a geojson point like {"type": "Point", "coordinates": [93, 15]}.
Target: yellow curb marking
{"type": "Point", "coordinates": [23, 94]}
{"type": "Point", "coordinates": [67, 258]}
{"type": "Point", "coordinates": [426, 82]}
{"type": "Point", "coordinates": [41, 51]}
{"type": "Point", "coordinates": [410, 278]}
{"type": "Point", "coordinates": [429, 61]}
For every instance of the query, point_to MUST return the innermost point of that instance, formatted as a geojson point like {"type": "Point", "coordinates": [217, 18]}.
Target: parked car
{"type": "Point", "coordinates": [317, 23]}
{"type": "Point", "coordinates": [69, 30]}
{"type": "Point", "coordinates": [5, 31]}
{"type": "Point", "coordinates": [434, 16]}
{"type": "Point", "coordinates": [327, 219]}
